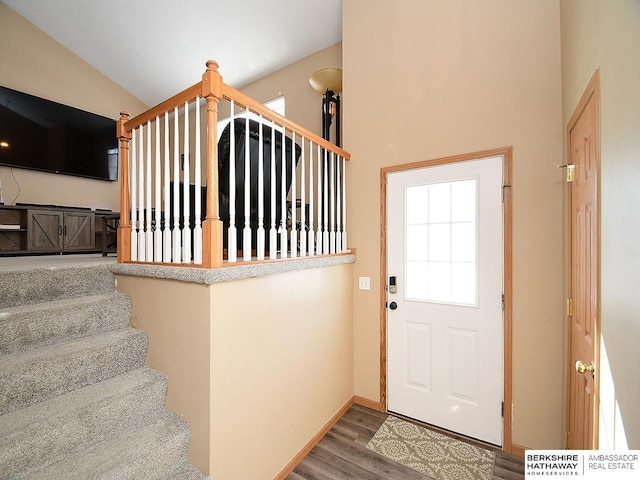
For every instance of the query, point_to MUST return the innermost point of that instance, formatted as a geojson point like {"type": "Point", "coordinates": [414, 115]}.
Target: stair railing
{"type": "Point", "coordinates": [292, 202]}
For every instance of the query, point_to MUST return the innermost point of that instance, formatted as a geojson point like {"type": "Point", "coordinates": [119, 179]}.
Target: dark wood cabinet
{"type": "Point", "coordinates": [79, 231]}
{"type": "Point", "coordinates": [33, 229]}
{"type": "Point", "coordinates": [60, 231]}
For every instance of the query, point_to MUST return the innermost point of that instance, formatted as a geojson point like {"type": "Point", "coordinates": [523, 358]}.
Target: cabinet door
{"type": "Point", "coordinates": [13, 229]}
{"type": "Point", "coordinates": [79, 231]}
{"type": "Point", "coordinates": [44, 230]}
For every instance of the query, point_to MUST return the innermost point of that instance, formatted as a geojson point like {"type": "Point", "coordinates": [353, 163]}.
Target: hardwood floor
{"type": "Point", "coordinates": [342, 454]}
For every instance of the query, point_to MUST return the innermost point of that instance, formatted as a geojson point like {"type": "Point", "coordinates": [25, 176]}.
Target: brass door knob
{"type": "Point", "coordinates": [582, 367]}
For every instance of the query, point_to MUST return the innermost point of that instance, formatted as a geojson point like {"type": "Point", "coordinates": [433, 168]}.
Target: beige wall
{"type": "Point", "coordinates": [604, 35]}
{"type": "Point", "coordinates": [256, 366]}
{"type": "Point", "coordinates": [34, 63]}
{"type": "Point", "coordinates": [282, 366]}
{"type": "Point", "coordinates": [303, 104]}
{"type": "Point", "coordinates": [428, 79]}
{"type": "Point", "coordinates": [176, 317]}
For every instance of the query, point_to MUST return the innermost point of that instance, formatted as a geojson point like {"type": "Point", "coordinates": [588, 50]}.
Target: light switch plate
{"type": "Point", "coordinates": [364, 283]}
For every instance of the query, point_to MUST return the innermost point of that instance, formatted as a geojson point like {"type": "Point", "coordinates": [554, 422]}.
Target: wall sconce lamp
{"type": "Point", "coordinates": [328, 83]}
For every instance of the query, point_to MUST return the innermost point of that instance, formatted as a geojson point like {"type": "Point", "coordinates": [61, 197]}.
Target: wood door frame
{"type": "Point", "coordinates": [507, 154]}
{"type": "Point", "coordinates": [592, 91]}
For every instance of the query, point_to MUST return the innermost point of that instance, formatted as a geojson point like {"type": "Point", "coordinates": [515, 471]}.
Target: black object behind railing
{"type": "Point", "coordinates": [224, 162]}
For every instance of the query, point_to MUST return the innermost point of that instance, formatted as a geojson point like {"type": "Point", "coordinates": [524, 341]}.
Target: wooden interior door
{"type": "Point", "coordinates": [584, 334]}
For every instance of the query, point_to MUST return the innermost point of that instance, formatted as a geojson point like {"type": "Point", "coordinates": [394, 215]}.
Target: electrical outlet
{"type": "Point", "coordinates": [364, 283]}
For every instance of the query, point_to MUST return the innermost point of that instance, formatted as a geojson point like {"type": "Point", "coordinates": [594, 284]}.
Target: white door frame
{"type": "Point", "coordinates": [506, 153]}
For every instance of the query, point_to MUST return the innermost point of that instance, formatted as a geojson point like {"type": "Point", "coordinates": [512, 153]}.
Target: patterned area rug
{"type": "Point", "coordinates": [431, 453]}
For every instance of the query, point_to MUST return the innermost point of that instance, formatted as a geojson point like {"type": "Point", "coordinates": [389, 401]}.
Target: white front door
{"type": "Point", "coordinates": [445, 321]}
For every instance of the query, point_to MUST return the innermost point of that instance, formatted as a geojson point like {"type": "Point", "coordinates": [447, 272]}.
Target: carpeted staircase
{"type": "Point", "coordinates": [76, 400]}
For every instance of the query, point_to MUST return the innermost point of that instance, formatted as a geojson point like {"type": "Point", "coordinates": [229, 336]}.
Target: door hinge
{"type": "Point", "coordinates": [569, 307]}
{"type": "Point", "coordinates": [503, 187]}
{"type": "Point", "coordinates": [502, 410]}
{"type": "Point", "coordinates": [502, 301]}
{"type": "Point", "coordinates": [571, 170]}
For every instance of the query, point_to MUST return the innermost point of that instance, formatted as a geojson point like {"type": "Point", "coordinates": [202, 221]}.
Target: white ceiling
{"type": "Point", "coordinates": [156, 48]}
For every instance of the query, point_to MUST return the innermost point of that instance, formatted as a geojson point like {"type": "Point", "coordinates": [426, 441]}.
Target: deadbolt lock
{"type": "Point", "coordinates": [393, 288]}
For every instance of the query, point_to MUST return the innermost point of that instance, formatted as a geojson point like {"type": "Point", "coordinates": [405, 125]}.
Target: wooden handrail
{"type": "Point", "coordinates": [177, 100]}
{"type": "Point", "coordinates": [242, 100]}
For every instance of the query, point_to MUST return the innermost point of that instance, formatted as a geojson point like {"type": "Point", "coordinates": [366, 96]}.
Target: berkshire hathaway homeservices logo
{"type": "Point", "coordinates": [583, 464]}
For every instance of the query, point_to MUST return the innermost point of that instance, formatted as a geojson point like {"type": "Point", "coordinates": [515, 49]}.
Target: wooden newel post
{"type": "Point", "coordinates": [212, 225]}
{"type": "Point", "coordinates": [124, 227]}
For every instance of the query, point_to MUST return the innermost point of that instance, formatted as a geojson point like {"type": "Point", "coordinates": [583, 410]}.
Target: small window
{"type": "Point", "coordinates": [441, 242]}
{"type": "Point", "coordinates": [277, 105]}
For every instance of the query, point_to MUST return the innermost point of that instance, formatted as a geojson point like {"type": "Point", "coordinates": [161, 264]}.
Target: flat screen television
{"type": "Point", "coordinates": [39, 134]}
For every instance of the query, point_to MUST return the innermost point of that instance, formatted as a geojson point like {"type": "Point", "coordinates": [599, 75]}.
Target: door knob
{"type": "Point", "coordinates": [393, 305]}
{"type": "Point", "coordinates": [582, 367]}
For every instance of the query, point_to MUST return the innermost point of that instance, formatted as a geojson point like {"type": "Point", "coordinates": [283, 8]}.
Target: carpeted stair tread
{"type": "Point", "coordinates": [30, 326]}
{"type": "Point", "coordinates": [44, 433]}
{"type": "Point", "coordinates": [32, 376]}
{"type": "Point", "coordinates": [76, 400]}
{"type": "Point", "coordinates": [148, 451]}
{"type": "Point", "coordinates": [25, 287]}
{"type": "Point", "coordinates": [186, 471]}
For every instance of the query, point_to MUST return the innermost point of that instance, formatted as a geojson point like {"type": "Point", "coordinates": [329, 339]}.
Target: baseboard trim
{"type": "Point", "coordinates": [518, 450]}
{"type": "Point", "coordinates": [288, 468]}
{"type": "Point", "coordinates": [366, 402]}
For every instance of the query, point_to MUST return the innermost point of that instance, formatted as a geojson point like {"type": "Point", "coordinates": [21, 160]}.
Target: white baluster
{"type": "Point", "coordinates": [332, 198]}
{"type": "Point", "coordinates": [197, 230]}
{"type": "Point", "coordinates": [142, 214]}
{"type": "Point", "coordinates": [338, 208]}
{"type": "Point", "coordinates": [294, 229]}
{"type": "Point", "coordinates": [166, 211]}
{"type": "Point", "coordinates": [177, 248]}
{"type": "Point", "coordinates": [284, 253]}
{"type": "Point", "coordinates": [246, 233]}
{"type": "Point", "coordinates": [260, 232]}
{"type": "Point", "coordinates": [325, 205]}
{"type": "Point", "coordinates": [273, 235]}
{"type": "Point", "coordinates": [319, 196]}
{"type": "Point", "coordinates": [303, 199]}
{"type": "Point", "coordinates": [157, 233]}
{"type": "Point", "coordinates": [148, 229]}
{"type": "Point", "coordinates": [344, 204]}
{"type": "Point", "coordinates": [186, 206]}
{"type": "Point", "coordinates": [312, 195]}
{"type": "Point", "coordinates": [232, 237]}
{"type": "Point", "coordinates": [133, 187]}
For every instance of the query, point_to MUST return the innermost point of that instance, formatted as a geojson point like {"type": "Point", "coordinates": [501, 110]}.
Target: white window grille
{"type": "Point", "coordinates": [277, 105]}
